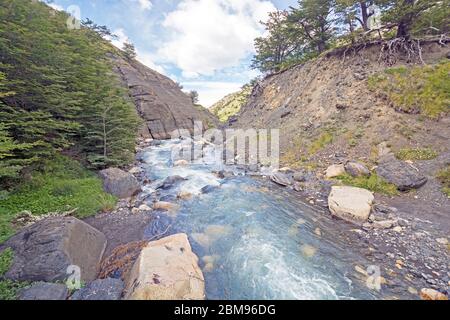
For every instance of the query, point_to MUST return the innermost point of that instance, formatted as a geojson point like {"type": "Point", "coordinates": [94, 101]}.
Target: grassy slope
{"type": "Point", "coordinates": [231, 104]}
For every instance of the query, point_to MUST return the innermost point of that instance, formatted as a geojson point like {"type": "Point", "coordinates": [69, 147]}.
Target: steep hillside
{"type": "Point", "coordinates": [159, 100]}
{"type": "Point", "coordinates": [231, 104]}
{"type": "Point", "coordinates": [336, 106]}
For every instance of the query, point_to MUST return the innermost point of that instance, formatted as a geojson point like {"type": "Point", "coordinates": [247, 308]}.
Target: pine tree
{"type": "Point", "coordinates": [129, 50]}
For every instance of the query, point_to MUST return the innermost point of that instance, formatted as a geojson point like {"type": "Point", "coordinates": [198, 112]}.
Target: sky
{"type": "Point", "coordinates": [206, 45]}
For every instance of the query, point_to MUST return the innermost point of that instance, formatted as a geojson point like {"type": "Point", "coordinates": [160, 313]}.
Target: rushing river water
{"type": "Point", "coordinates": [253, 242]}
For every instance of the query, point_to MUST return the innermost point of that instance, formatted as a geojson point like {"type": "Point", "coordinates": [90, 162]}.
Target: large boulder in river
{"type": "Point", "coordinates": [45, 250]}
{"type": "Point", "coordinates": [166, 269]}
{"type": "Point", "coordinates": [119, 183]}
{"type": "Point", "coordinates": [281, 179]}
{"type": "Point", "coordinates": [356, 169]}
{"type": "Point", "coordinates": [400, 173]}
{"type": "Point", "coordinates": [350, 203]}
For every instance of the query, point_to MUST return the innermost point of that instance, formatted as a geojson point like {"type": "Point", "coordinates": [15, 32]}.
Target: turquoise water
{"type": "Point", "coordinates": [254, 242]}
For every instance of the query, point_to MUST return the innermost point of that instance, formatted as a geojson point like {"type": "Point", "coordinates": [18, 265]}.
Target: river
{"type": "Point", "coordinates": [254, 240]}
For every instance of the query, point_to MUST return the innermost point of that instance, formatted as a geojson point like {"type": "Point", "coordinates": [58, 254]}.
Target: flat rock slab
{"type": "Point", "coordinates": [119, 183]}
{"type": "Point", "coordinates": [100, 289]}
{"type": "Point", "coordinates": [45, 291]}
{"type": "Point", "coordinates": [166, 269]}
{"type": "Point", "coordinates": [44, 251]}
{"type": "Point", "coordinates": [350, 203]}
{"type": "Point", "coordinates": [400, 173]}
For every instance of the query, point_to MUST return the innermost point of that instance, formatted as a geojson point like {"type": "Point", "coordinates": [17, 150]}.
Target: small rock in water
{"type": "Point", "coordinates": [318, 232]}
{"type": "Point", "coordinates": [165, 206]}
{"type": "Point", "coordinates": [431, 294]}
{"type": "Point", "coordinates": [413, 290]}
{"type": "Point", "coordinates": [144, 207]}
{"type": "Point", "coordinates": [308, 250]}
{"type": "Point", "coordinates": [209, 189]}
{"type": "Point", "coordinates": [181, 163]}
{"type": "Point", "coordinates": [443, 241]}
{"type": "Point", "coordinates": [184, 195]}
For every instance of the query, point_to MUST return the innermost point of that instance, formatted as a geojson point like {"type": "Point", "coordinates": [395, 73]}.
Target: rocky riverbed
{"type": "Point", "coordinates": [248, 236]}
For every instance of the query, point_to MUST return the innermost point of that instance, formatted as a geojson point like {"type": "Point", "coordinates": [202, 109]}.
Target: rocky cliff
{"type": "Point", "coordinates": [159, 101]}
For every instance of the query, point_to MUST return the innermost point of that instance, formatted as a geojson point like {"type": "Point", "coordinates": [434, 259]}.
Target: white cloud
{"type": "Point", "coordinates": [121, 39]}
{"type": "Point", "coordinates": [211, 92]}
{"type": "Point", "coordinates": [145, 4]}
{"type": "Point", "coordinates": [148, 60]}
{"type": "Point", "coordinates": [210, 35]}
{"type": "Point", "coordinates": [55, 6]}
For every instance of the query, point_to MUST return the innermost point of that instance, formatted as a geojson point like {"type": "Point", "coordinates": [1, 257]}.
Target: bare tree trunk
{"type": "Point", "coordinates": [364, 15]}
{"type": "Point", "coordinates": [405, 23]}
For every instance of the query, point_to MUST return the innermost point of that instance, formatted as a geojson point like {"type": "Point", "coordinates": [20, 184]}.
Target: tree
{"type": "Point", "coordinates": [281, 44]}
{"type": "Point", "coordinates": [406, 13]}
{"type": "Point", "coordinates": [194, 96]}
{"type": "Point", "coordinates": [129, 50]}
{"type": "Point", "coordinates": [315, 21]}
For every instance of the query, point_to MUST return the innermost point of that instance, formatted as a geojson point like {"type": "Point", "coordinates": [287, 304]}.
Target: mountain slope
{"type": "Point", "coordinates": [231, 104]}
{"type": "Point", "coordinates": [160, 101]}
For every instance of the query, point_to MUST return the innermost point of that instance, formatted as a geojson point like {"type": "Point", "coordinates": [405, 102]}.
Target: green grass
{"type": "Point", "coordinates": [416, 154]}
{"type": "Point", "coordinates": [321, 142]}
{"type": "Point", "coordinates": [231, 104]}
{"type": "Point", "coordinates": [444, 177]}
{"type": "Point", "coordinates": [421, 89]}
{"type": "Point", "coordinates": [8, 289]}
{"type": "Point", "coordinates": [373, 183]}
{"type": "Point", "coordinates": [6, 258]}
{"type": "Point", "coordinates": [62, 185]}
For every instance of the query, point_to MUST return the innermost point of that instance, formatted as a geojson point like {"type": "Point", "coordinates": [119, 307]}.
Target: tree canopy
{"type": "Point", "coordinates": [58, 91]}
{"type": "Point", "coordinates": [314, 26]}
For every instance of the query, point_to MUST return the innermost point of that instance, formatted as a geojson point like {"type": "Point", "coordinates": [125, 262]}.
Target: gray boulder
{"type": "Point", "coordinates": [44, 251]}
{"type": "Point", "coordinates": [281, 179]}
{"type": "Point", "coordinates": [356, 169]}
{"type": "Point", "coordinates": [400, 173]}
{"type": "Point", "coordinates": [119, 183]}
{"type": "Point", "coordinates": [300, 176]}
{"type": "Point", "coordinates": [100, 289]}
{"type": "Point", "coordinates": [171, 182]}
{"type": "Point", "coordinates": [45, 291]}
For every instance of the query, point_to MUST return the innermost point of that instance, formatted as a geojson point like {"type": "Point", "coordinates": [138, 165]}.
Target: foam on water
{"type": "Point", "coordinates": [254, 242]}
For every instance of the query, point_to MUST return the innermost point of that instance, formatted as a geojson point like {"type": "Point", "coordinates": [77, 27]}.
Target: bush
{"type": "Point", "coordinates": [321, 142]}
{"type": "Point", "coordinates": [416, 154]}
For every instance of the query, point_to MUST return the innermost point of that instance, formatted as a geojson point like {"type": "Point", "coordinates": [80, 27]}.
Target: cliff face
{"type": "Point", "coordinates": [159, 101]}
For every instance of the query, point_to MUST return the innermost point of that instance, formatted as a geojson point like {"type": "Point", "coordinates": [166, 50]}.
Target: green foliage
{"type": "Point", "coordinates": [62, 185]}
{"type": "Point", "coordinates": [416, 154]}
{"type": "Point", "coordinates": [129, 50]}
{"type": "Point", "coordinates": [321, 142]}
{"type": "Point", "coordinates": [420, 89]}
{"type": "Point", "coordinates": [9, 290]}
{"type": "Point", "coordinates": [58, 91]}
{"type": "Point", "coordinates": [373, 183]}
{"type": "Point", "coordinates": [444, 177]}
{"type": "Point", "coordinates": [231, 104]}
{"type": "Point", "coordinates": [6, 259]}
